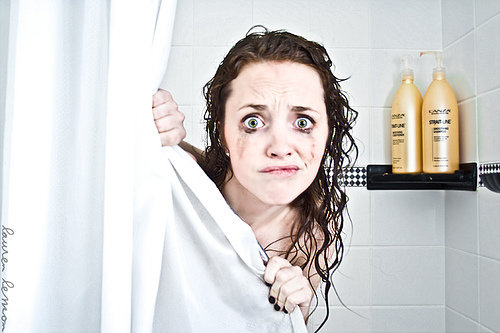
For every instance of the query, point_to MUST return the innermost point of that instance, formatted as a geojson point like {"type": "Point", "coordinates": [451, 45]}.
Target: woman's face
{"type": "Point", "coordinates": [275, 130]}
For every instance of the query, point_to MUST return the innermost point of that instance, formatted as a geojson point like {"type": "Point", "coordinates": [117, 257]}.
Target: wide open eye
{"type": "Point", "coordinates": [253, 122]}
{"type": "Point", "coordinates": [303, 123]}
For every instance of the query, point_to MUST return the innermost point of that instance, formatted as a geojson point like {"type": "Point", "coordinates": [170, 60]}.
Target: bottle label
{"type": "Point", "coordinates": [440, 125]}
{"type": "Point", "coordinates": [398, 130]}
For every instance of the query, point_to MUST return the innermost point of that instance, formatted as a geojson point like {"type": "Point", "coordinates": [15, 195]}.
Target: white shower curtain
{"type": "Point", "coordinates": [92, 207]}
{"type": "Point", "coordinates": [76, 101]}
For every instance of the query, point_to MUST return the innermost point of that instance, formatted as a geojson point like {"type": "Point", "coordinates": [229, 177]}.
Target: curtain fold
{"type": "Point", "coordinates": [53, 157]}
{"type": "Point", "coordinates": [76, 108]}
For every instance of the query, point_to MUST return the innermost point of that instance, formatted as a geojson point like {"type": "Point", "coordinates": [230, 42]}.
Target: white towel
{"type": "Point", "coordinates": [211, 272]}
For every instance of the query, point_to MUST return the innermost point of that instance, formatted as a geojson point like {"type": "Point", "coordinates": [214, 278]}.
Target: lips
{"type": "Point", "coordinates": [282, 171]}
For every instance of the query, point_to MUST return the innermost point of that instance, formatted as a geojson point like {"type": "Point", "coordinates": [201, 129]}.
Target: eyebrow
{"type": "Point", "coordinates": [261, 107]}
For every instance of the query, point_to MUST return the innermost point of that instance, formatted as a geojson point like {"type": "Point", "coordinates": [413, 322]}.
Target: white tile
{"type": "Point", "coordinates": [489, 223]}
{"type": "Point", "coordinates": [184, 23]}
{"type": "Point", "coordinates": [410, 24]}
{"type": "Point", "coordinates": [380, 136]}
{"type": "Point", "coordinates": [487, 50]}
{"type": "Point", "coordinates": [179, 75]}
{"type": "Point", "coordinates": [408, 276]}
{"type": "Point", "coordinates": [488, 119]}
{"type": "Point", "coordinates": [489, 294]}
{"type": "Point", "coordinates": [458, 19]}
{"type": "Point", "coordinates": [342, 320]}
{"type": "Point", "coordinates": [456, 323]}
{"type": "Point", "coordinates": [352, 279]}
{"type": "Point", "coordinates": [386, 75]}
{"type": "Point", "coordinates": [353, 65]}
{"type": "Point", "coordinates": [486, 9]}
{"type": "Point", "coordinates": [408, 320]}
{"type": "Point", "coordinates": [341, 23]}
{"type": "Point", "coordinates": [222, 22]}
{"type": "Point", "coordinates": [290, 15]}
{"type": "Point", "coordinates": [361, 133]}
{"type": "Point", "coordinates": [461, 283]}
{"type": "Point", "coordinates": [205, 63]}
{"type": "Point", "coordinates": [407, 217]}
{"type": "Point", "coordinates": [458, 59]}
{"type": "Point", "coordinates": [467, 131]}
{"type": "Point", "coordinates": [461, 220]}
{"type": "Point", "coordinates": [358, 230]}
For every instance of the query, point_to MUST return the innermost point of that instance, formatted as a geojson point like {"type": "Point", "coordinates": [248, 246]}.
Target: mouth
{"type": "Point", "coordinates": [281, 171]}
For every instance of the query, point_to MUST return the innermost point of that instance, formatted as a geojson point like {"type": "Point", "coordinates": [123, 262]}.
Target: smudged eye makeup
{"type": "Point", "coordinates": [304, 123]}
{"type": "Point", "coordinates": [252, 122]}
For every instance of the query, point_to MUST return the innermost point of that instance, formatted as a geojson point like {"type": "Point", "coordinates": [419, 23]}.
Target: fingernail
{"type": "Point", "coordinates": [268, 284]}
{"type": "Point", "coordinates": [277, 307]}
{"type": "Point", "coordinates": [284, 310]}
{"type": "Point", "coordinates": [272, 299]}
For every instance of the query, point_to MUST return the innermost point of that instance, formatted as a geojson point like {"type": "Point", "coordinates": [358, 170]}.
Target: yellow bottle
{"type": "Point", "coordinates": [406, 123]}
{"type": "Point", "coordinates": [439, 123]}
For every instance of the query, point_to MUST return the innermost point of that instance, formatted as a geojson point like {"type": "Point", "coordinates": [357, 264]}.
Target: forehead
{"type": "Point", "coordinates": [299, 83]}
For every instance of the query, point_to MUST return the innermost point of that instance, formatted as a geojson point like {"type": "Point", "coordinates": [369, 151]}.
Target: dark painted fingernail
{"type": "Point", "coordinates": [272, 299]}
{"type": "Point", "coordinates": [284, 310]}
{"type": "Point", "coordinates": [277, 307]}
{"type": "Point", "coordinates": [268, 284]}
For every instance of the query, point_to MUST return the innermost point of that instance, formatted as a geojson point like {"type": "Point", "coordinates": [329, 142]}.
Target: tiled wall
{"type": "Point", "coordinates": [393, 274]}
{"type": "Point", "coordinates": [471, 44]}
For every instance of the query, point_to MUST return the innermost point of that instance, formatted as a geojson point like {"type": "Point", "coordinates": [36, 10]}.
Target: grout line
{"type": "Point", "coordinates": [459, 39]}
{"type": "Point", "coordinates": [462, 314]}
{"type": "Point", "coordinates": [408, 306]}
{"type": "Point", "coordinates": [482, 256]}
{"type": "Point", "coordinates": [487, 92]}
{"type": "Point", "coordinates": [252, 14]}
{"type": "Point", "coordinates": [487, 20]}
{"type": "Point", "coordinates": [462, 251]}
{"type": "Point", "coordinates": [397, 246]}
{"type": "Point", "coordinates": [396, 306]}
{"type": "Point", "coordinates": [465, 100]}
{"type": "Point", "coordinates": [477, 159]}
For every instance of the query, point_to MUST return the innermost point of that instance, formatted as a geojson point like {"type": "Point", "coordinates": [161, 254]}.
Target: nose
{"type": "Point", "coordinates": [279, 145]}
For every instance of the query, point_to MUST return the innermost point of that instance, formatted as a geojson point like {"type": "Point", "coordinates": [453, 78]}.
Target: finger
{"type": "Point", "coordinates": [161, 97]}
{"type": "Point", "coordinates": [169, 122]}
{"type": "Point", "coordinates": [288, 288]}
{"type": "Point", "coordinates": [296, 299]}
{"type": "Point", "coordinates": [165, 109]}
{"type": "Point", "coordinates": [284, 276]}
{"type": "Point", "coordinates": [298, 292]}
{"type": "Point", "coordinates": [172, 137]}
{"type": "Point", "coordinates": [273, 266]}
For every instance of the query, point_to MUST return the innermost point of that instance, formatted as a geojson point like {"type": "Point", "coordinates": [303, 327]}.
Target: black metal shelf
{"type": "Point", "coordinates": [380, 177]}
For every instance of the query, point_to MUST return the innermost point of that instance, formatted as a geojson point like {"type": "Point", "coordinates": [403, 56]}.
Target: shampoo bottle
{"type": "Point", "coordinates": [439, 123]}
{"type": "Point", "coordinates": [406, 123]}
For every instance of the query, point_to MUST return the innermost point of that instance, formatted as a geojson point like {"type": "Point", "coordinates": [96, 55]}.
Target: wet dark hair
{"type": "Point", "coordinates": [316, 233]}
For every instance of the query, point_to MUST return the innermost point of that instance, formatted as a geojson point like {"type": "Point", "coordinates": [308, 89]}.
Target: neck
{"type": "Point", "coordinates": [268, 222]}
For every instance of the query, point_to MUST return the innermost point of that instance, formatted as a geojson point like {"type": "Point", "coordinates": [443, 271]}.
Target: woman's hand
{"type": "Point", "coordinates": [168, 119]}
{"type": "Point", "coordinates": [289, 287]}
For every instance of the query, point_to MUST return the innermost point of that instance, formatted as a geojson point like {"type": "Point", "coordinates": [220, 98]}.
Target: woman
{"type": "Point", "coordinates": [278, 128]}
